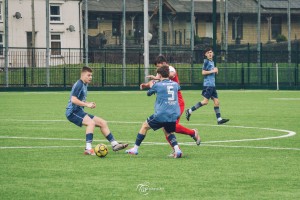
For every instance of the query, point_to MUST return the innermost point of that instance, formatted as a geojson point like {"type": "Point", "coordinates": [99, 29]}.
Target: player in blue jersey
{"type": "Point", "coordinates": [75, 113]}
{"type": "Point", "coordinates": [209, 87]}
{"type": "Point", "coordinates": [166, 113]}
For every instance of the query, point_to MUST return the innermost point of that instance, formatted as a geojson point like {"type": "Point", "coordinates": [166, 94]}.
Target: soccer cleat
{"type": "Point", "coordinates": [187, 114]}
{"type": "Point", "coordinates": [223, 121]}
{"type": "Point", "coordinates": [132, 151]}
{"type": "Point", "coordinates": [171, 155]}
{"type": "Point", "coordinates": [177, 154]}
{"type": "Point", "coordinates": [119, 146]}
{"type": "Point", "coordinates": [197, 137]}
{"type": "Point", "coordinates": [89, 152]}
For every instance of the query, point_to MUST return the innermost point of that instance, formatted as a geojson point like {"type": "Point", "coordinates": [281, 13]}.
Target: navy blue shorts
{"type": "Point", "coordinates": [209, 92]}
{"type": "Point", "coordinates": [155, 125]}
{"type": "Point", "coordinates": [77, 117]}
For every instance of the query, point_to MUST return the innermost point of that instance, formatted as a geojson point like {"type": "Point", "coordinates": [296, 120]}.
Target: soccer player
{"type": "Point", "coordinates": [166, 111]}
{"type": "Point", "coordinates": [209, 87]}
{"type": "Point", "coordinates": [75, 113]}
{"type": "Point", "coordinates": [160, 61]}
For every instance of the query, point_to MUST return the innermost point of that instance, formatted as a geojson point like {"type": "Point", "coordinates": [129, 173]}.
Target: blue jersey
{"type": "Point", "coordinates": [166, 104]}
{"type": "Point", "coordinates": [79, 90]}
{"type": "Point", "coordinates": [209, 80]}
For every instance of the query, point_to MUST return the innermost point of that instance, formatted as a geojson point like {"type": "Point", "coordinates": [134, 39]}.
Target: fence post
{"type": "Point", "coordinates": [242, 75]}
{"type": "Point", "coordinates": [277, 78]}
{"type": "Point", "coordinates": [103, 74]}
{"type": "Point", "coordinates": [248, 64]}
{"type": "Point", "coordinates": [140, 54]}
{"type": "Point", "coordinates": [24, 77]}
{"type": "Point", "coordinates": [65, 77]}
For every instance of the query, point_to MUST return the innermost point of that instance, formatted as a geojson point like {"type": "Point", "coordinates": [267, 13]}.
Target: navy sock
{"type": "Point", "coordinates": [139, 139]}
{"type": "Point", "coordinates": [195, 107]}
{"type": "Point", "coordinates": [172, 140]}
{"type": "Point", "coordinates": [110, 137]}
{"type": "Point", "coordinates": [217, 111]}
{"type": "Point", "coordinates": [89, 137]}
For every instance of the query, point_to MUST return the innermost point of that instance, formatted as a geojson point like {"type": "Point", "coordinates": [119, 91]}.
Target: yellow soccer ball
{"type": "Point", "coordinates": [101, 150]}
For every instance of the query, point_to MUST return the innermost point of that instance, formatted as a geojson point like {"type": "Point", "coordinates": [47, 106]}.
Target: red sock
{"type": "Point", "coordinates": [183, 130]}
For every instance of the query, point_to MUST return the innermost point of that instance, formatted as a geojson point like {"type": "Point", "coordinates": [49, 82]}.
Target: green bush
{"type": "Point", "coordinates": [281, 38]}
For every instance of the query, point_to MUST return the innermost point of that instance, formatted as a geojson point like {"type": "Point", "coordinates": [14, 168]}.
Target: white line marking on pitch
{"type": "Point", "coordinates": [289, 134]}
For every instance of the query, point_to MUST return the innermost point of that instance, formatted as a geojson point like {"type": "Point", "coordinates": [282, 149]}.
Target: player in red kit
{"type": "Point", "coordinates": [160, 61]}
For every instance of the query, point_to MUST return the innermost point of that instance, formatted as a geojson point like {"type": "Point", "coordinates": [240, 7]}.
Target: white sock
{"type": "Point", "coordinates": [219, 119]}
{"type": "Point", "coordinates": [136, 148]}
{"type": "Point", "coordinates": [88, 146]}
{"type": "Point", "coordinates": [190, 111]}
{"type": "Point", "coordinates": [114, 143]}
{"type": "Point", "coordinates": [176, 148]}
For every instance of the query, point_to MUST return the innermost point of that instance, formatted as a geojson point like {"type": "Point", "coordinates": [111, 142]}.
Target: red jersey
{"type": "Point", "coordinates": [180, 98]}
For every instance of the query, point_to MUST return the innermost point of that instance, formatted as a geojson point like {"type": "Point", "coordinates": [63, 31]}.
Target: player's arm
{"type": "Point", "coordinates": [77, 102]}
{"type": "Point", "coordinates": [172, 71]}
{"type": "Point", "coordinates": [205, 72]}
{"type": "Point", "coordinates": [147, 85]}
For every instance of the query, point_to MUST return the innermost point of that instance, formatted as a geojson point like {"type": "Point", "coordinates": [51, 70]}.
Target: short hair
{"type": "Point", "coordinates": [164, 71]}
{"type": "Point", "coordinates": [207, 49]}
{"type": "Point", "coordinates": [86, 69]}
{"type": "Point", "coordinates": [160, 59]}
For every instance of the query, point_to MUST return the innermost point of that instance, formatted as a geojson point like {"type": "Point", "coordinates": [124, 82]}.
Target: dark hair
{"type": "Point", "coordinates": [160, 59]}
{"type": "Point", "coordinates": [86, 69]}
{"type": "Point", "coordinates": [163, 71]}
{"type": "Point", "coordinates": [207, 49]}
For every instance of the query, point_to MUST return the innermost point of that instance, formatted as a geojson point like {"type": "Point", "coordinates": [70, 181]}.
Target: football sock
{"type": "Point", "coordinates": [172, 140]}
{"type": "Point", "coordinates": [139, 139]}
{"type": "Point", "coordinates": [195, 107]}
{"type": "Point", "coordinates": [89, 140]}
{"type": "Point", "coordinates": [183, 130]}
{"type": "Point", "coordinates": [218, 114]}
{"type": "Point", "coordinates": [111, 139]}
{"type": "Point", "coordinates": [168, 141]}
{"type": "Point", "coordinates": [176, 148]}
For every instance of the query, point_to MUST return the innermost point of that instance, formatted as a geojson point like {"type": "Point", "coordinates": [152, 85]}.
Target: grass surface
{"type": "Point", "coordinates": [41, 153]}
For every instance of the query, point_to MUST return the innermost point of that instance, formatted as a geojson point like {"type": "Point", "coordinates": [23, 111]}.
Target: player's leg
{"type": "Point", "coordinates": [198, 105]}
{"type": "Point", "coordinates": [139, 139]}
{"type": "Point", "coordinates": [182, 129]}
{"type": "Point", "coordinates": [102, 124]}
{"type": "Point", "coordinates": [220, 120]}
{"type": "Point", "coordinates": [206, 93]}
{"type": "Point", "coordinates": [169, 128]}
{"type": "Point", "coordinates": [89, 134]}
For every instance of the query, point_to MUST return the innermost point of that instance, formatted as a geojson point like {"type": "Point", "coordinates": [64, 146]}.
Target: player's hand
{"type": "Point", "coordinates": [143, 86]}
{"type": "Point", "coordinates": [216, 70]}
{"type": "Point", "coordinates": [91, 105]}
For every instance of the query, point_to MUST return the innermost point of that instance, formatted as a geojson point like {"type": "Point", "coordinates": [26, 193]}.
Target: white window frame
{"type": "Point", "coordinates": [55, 16]}
{"type": "Point", "coordinates": [58, 41]}
{"type": "Point", "coordinates": [1, 11]}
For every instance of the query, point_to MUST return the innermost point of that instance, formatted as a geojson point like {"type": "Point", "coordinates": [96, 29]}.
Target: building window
{"type": "Point", "coordinates": [1, 44]}
{"type": "Point", "coordinates": [0, 11]}
{"type": "Point", "coordinates": [276, 27]}
{"type": "Point", "coordinates": [55, 44]}
{"type": "Point", "coordinates": [237, 28]}
{"type": "Point", "coordinates": [55, 13]}
{"type": "Point", "coordinates": [116, 25]}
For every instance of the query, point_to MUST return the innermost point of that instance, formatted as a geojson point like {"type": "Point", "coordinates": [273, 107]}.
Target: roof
{"type": "Point", "coordinates": [200, 6]}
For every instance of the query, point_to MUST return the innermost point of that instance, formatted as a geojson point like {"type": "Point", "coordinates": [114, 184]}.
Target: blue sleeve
{"type": "Point", "coordinates": [77, 89]}
{"type": "Point", "coordinates": [151, 90]}
{"type": "Point", "coordinates": [205, 65]}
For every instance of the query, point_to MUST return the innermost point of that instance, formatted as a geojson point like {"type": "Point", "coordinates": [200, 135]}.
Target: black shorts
{"type": "Point", "coordinates": [155, 125]}
{"type": "Point", "coordinates": [77, 117]}
{"type": "Point", "coordinates": [209, 92]}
